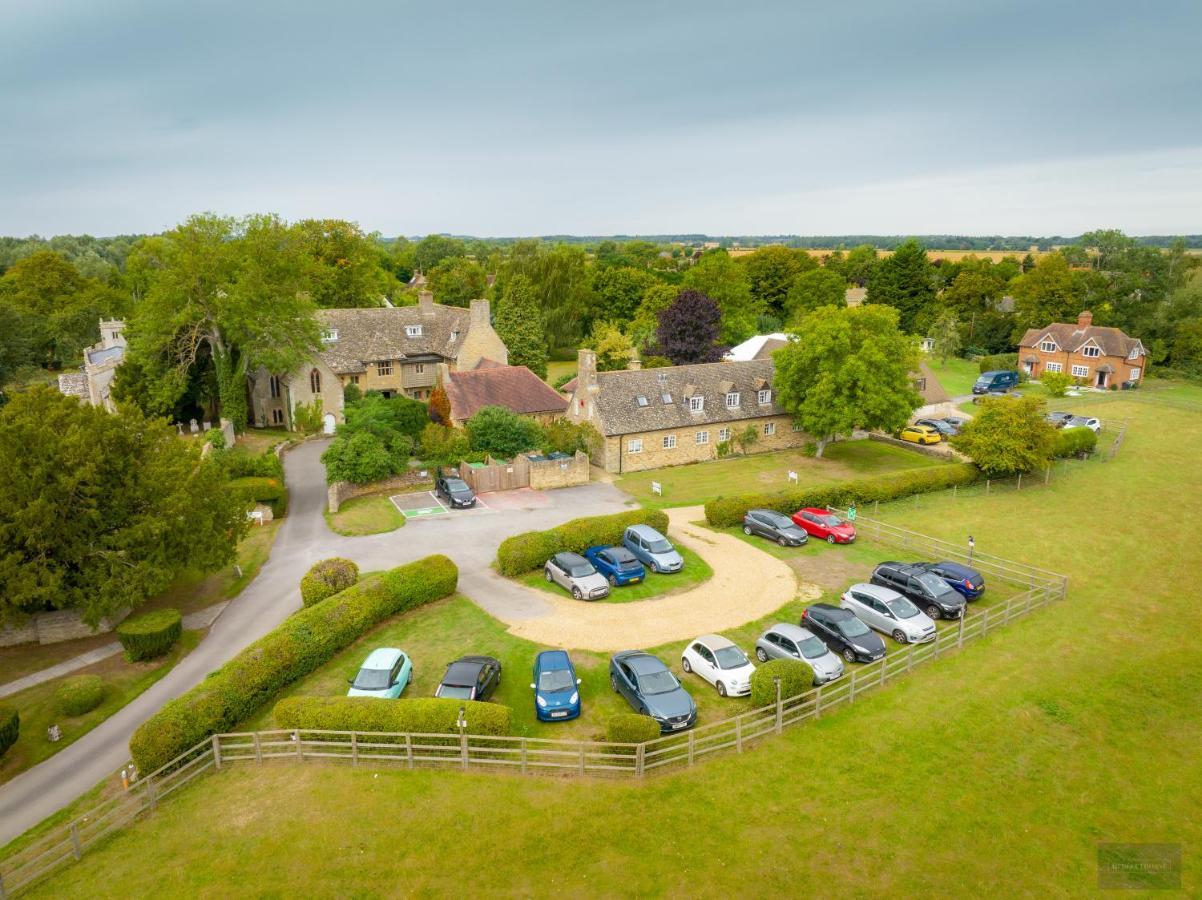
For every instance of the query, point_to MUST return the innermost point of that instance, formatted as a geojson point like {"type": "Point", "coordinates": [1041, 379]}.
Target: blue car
{"type": "Point", "coordinates": [385, 673]}
{"type": "Point", "coordinates": [556, 687]}
{"type": "Point", "coordinates": [969, 583]}
{"type": "Point", "coordinates": [617, 564]}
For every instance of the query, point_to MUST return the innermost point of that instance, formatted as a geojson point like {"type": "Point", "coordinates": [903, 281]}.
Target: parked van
{"type": "Point", "coordinates": [1001, 380]}
{"type": "Point", "coordinates": [652, 549]}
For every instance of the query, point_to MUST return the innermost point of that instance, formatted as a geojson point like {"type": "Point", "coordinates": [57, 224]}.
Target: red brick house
{"type": "Point", "coordinates": [1098, 357]}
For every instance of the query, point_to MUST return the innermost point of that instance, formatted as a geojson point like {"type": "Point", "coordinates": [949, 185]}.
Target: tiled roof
{"type": "Point", "coordinates": [620, 411]}
{"type": "Point", "coordinates": [514, 387]}
{"type": "Point", "coordinates": [378, 333]}
{"type": "Point", "coordinates": [1070, 338]}
{"type": "Point", "coordinates": [932, 391]}
{"type": "Point", "coordinates": [74, 384]}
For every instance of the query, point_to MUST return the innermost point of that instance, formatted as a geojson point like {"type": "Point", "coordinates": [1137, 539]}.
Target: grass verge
{"type": "Point", "coordinates": [374, 514]}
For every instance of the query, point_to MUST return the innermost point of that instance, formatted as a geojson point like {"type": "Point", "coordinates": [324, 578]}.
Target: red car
{"type": "Point", "coordinates": [823, 524]}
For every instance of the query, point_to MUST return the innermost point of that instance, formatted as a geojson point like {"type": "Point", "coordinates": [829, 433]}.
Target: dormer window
{"type": "Point", "coordinates": [454, 334]}
{"type": "Point", "coordinates": [1048, 346]}
{"type": "Point", "coordinates": [696, 404]}
{"type": "Point", "coordinates": [1134, 354]}
{"type": "Point", "coordinates": [329, 336]}
{"type": "Point", "coordinates": [667, 398]}
{"type": "Point", "coordinates": [640, 400]}
{"type": "Point", "coordinates": [732, 400]}
{"type": "Point", "coordinates": [662, 377]}
{"type": "Point", "coordinates": [764, 397]}
{"type": "Point", "coordinates": [413, 331]}
{"type": "Point", "coordinates": [1091, 351]}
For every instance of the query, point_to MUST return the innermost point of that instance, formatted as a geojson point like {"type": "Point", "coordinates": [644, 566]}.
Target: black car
{"type": "Point", "coordinates": [932, 594]}
{"type": "Point", "coordinates": [843, 633]}
{"type": "Point", "coordinates": [470, 678]}
{"type": "Point", "coordinates": [454, 490]}
{"type": "Point", "coordinates": [945, 430]}
{"type": "Point", "coordinates": [774, 526]}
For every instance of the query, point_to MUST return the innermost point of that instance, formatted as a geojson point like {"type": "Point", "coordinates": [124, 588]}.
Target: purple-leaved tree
{"type": "Point", "coordinates": [689, 328]}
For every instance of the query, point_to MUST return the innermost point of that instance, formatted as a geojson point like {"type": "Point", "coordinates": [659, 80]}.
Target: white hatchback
{"type": "Point", "coordinates": [888, 612]}
{"type": "Point", "coordinates": [719, 662]}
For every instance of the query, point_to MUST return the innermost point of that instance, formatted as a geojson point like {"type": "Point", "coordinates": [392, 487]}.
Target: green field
{"type": "Point", "coordinates": [696, 570]}
{"type": "Point", "coordinates": [358, 516]}
{"type": "Point", "coordinates": [996, 770]}
{"type": "Point", "coordinates": [956, 375]}
{"type": "Point", "coordinates": [556, 369]}
{"type": "Point", "coordinates": [695, 484]}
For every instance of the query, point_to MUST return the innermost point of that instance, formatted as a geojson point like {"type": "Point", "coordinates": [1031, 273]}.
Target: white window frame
{"type": "Point", "coordinates": [1092, 351]}
{"type": "Point", "coordinates": [329, 336]}
{"type": "Point", "coordinates": [413, 331]}
{"type": "Point", "coordinates": [634, 445]}
{"type": "Point", "coordinates": [1135, 373]}
{"type": "Point", "coordinates": [764, 397]}
{"type": "Point", "coordinates": [669, 442]}
{"type": "Point", "coordinates": [732, 400]}
{"type": "Point", "coordinates": [769, 429]}
{"type": "Point", "coordinates": [1053, 367]}
{"type": "Point", "coordinates": [696, 404]}
{"type": "Point", "coordinates": [1047, 345]}
{"type": "Point", "coordinates": [701, 437]}
{"type": "Point", "coordinates": [1080, 371]}
{"type": "Point", "coordinates": [419, 368]}
{"type": "Point", "coordinates": [723, 434]}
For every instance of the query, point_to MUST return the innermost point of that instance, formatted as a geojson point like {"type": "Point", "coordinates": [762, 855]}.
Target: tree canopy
{"type": "Point", "coordinates": [1007, 436]}
{"type": "Point", "coordinates": [520, 326]}
{"type": "Point", "coordinates": [905, 281]}
{"type": "Point", "coordinates": [724, 281]}
{"type": "Point", "coordinates": [502, 432]}
{"type": "Point", "coordinates": [689, 329]}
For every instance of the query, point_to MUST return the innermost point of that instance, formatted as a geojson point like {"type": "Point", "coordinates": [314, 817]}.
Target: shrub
{"type": "Point", "coordinates": [79, 694]}
{"type": "Point", "coordinates": [360, 458]}
{"type": "Point", "coordinates": [631, 728]}
{"type": "Point", "coordinates": [307, 417]}
{"type": "Point", "coordinates": [997, 362]}
{"type": "Point", "coordinates": [444, 445]}
{"type": "Point", "coordinates": [426, 715]}
{"type": "Point", "coordinates": [327, 578]}
{"type": "Point", "coordinates": [259, 489]}
{"type": "Point", "coordinates": [351, 394]}
{"type": "Point", "coordinates": [723, 512]}
{"type": "Point", "coordinates": [150, 634]}
{"type": "Point", "coordinates": [240, 464]}
{"type": "Point", "coordinates": [795, 678]}
{"type": "Point", "coordinates": [294, 649]}
{"type": "Point", "coordinates": [502, 432]}
{"type": "Point", "coordinates": [810, 449]}
{"type": "Point", "coordinates": [565, 436]}
{"type": "Point", "coordinates": [656, 362]}
{"type": "Point", "coordinates": [564, 379]}
{"type": "Point", "coordinates": [527, 551]}
{"type": "Point", "coordinates": [1056, 383]}
{"type": "Point", "coordinates": [10, 727]}
{"type": "Point", "coordinates": [1074, 442]}
{"type": "Point", "coordinates": [215, 438]}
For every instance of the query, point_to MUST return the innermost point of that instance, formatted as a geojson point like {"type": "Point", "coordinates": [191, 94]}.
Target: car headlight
{"type": "Point", "coordinates": [861, 649]}
{"type": "Point", "coordinates": [574, 698]}
{"type": "Point", "coordinates": [541, 702]}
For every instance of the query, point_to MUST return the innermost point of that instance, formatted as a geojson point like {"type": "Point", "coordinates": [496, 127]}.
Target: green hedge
{"type": "Point", "coordinates": [79, 695]}
{"type": "Point", "coordinates": [525, 552]}
{"type": "Point", "coordinates": [150, 634]}
{"type": "Point", "coordinates": [259, 489]}
{"type": "Point", "coordinates": [327, 578]}
{"type": "Point", "coordinates": [427, 715]}
{"type": "Point", "coordinates": [1074, 442]}
{"type": "Point", "coordinates": [726, 511]}
{"type": "Point", "coordinates": [998, 362]}
{"type": "Point", "coordinates": [10, 727]}
{"type": "Point", "coordinates": [241, 464]}
{"type": "Point", "coordinates": [795, 678]}
{"type": "Point", "coordinates": [631, 728]}
{"type": "Point", "coordinates": [294, 649]}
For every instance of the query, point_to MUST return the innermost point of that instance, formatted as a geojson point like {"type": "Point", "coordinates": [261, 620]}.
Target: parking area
{"type": "Point", "coordinates": [425, 504]}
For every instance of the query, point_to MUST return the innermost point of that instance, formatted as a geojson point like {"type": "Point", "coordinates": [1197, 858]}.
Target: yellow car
{"type": "Point", "coordinates": [920, 434]}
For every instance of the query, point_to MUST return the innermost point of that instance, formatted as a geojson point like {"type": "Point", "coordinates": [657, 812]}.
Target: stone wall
{"type": "Point", "coordinates": [616, 456]}
{"type": "Point", "coordinates": [942, 450]}
{"type": "Point", "coordinates": [55, 627]}
{"type": "Point", "coordinates": [341, 491]}
{"type": "Point", "coordinates": [556, 473]}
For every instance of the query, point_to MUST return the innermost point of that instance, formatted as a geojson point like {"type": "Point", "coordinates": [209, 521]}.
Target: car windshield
{"type": "Point", "coordinates": [730, 657]}
{"type": "Point", "coordinates": [455, 692]}
{"type": "Point", "coordinates": [457, 485]}
{"type": "Point", "coordinates": [830, 521]}
{"type": "Point", "coordinates": [902, 608]}
{"type": "Point", "coordinates": [934, 584]}
{"type": "Point", "coordinates": [660, 546]}
{"type": "Point", "coordinates": [556, 681]}
{"type": "Point", "coordinates": [581, 570]}
{"type": "Point", "coordinates": [657, 683]}
{"type": "Point", "coordinates": [853, 627]}
{"type": "Point", "coordinates": [812, 648]}
{"type": "Point", "coordinates": [629, 565]}
{"type": "Point", "coordinates": [779, 521]}
{"type": "Point", "coordinates": [371, 679]}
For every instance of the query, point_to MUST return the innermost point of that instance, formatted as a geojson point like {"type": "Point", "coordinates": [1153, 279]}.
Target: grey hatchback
{"type": "Point", "coordinates": [578, 575]}
{"type": "Point", "coordinates": [786, 641]}
{"type": "Point", "coordinates": [773, 526]}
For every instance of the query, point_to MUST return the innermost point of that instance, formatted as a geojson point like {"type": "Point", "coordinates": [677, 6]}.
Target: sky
{"type": "Point", "coordinates": [517, 118]}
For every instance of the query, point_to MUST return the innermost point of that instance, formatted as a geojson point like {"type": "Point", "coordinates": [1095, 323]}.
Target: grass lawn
{"type": "Point", "coordinates": [38, 709]}
{"type": "Point", "coordinates": [257, 440]}
{"type": "Point", "coordinates": [696, 570]}
{"type": "Point", "coordinates": [695, 484]}
{"type": "Point", "coordinates": [557, 369]}
{"type": "Point", "coordinates": [373, 514]}
{"type": "Point", "coordinates": [1008, 762]}
{"type": "Point", "coordinates": [956, 375]}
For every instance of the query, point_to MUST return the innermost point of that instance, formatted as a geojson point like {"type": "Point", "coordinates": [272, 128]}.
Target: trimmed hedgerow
{"type": "Point", "coordinates": [425, 715]}
{"type": "Point", "coordinates": [631, 728]}
{"type": "Point", "coordinates": [723, 512]}
{"type": "Point", "coordinates": [295, 648]}
{"type": "Point", "coordinates": [525, 552]}
{"type": "Point", "coordinates": [10, 727]}
{"type": "Point", "coordinates": [795, 678]}
{"type": "Point", "coordinates": [257, 489]}
{"type": "Point", "coordinates": [327, 578]}
{"type": "Point", "coordinates": [150, 634]}
{"type": "Point", "coordinates": [80, 694]}
{"type": "Point", "coordinates": [1074, 442]}
{"type": "Point", "coordinates": [997, 362]}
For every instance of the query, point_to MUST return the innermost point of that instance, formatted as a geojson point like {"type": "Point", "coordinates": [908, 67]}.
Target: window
{"type": "Point", "coordinates": [419, 369]}
{"type": "Point", "coordinates": [413, 331]}
{"type": "Point", "coordinates": [1048, 346]}
{"type": "Point", "coordinates": [640, 400]}
{"type": "Point", "coordinates": [669, 441]}
{"type": "Point", "coordinates": [1055, 367]}
{"type": "Point", "coordinates": [315, 381]}
{"type": "Point", "coordinates": [274, 384]}
{"type": "Point", "coordinates": [354, 379]}
{"type": "Point", "coordinates": [702, 437]}
{"type": "Point", "coordinates": [634, 445]}
{"type": "Point", "coordinates": [796, 428]}
{"type": "Point", "coordinates": [1135, 374]}
{"type": "Point", "coordinates": [1080, 371]}
{"type": "Point", "coordinates": [454, 336]}
{"type": "Point", "coordinates": [667, 398]}
{"type": "Point", "coordinates": [1091, 352]}
{"type": "Point", "coordinates": [329, 336]}
{"type": "Point", "coordinates": [384, 367]}
{"type": "Point", "coordinates": [662, 377]}
{"type": "Point", "coordinates": [724, 434]}
{"type": "Point", "coordinates": [732, 400]}
{"type": "Point", "coordinates": [277, 417]}
{"type": "Point", "coordinates": [1134, 354]}
{"type": "Point", "coordinates": [764, 397]}
{"type": "Point", "coordinates": [116, 335]}
{"type": "Point", "coordinates": [769, 428]}
{"type": "Point", "coordinates": [696, 404]}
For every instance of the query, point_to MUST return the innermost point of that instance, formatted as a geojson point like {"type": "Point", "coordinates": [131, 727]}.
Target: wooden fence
{"type": "Point", "coordinates": [62, 845]}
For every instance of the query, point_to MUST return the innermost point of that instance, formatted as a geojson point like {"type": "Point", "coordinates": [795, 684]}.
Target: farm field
{"type": "Point", "coordinates": [694, 484]}
{"type": "Point", "coordinates": [1008, 762]}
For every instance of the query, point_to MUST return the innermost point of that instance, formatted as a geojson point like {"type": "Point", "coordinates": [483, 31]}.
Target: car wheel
{"type": "Point", "coordinates": [849, 654]}
{"type": "Point", "coordinates": [760, 654]}
{"type": "Point", "coordinates": [747, 530]}
{"type": "Point", "coordinates": [781, 540]}
{"type": "Point", "coordinates": [721, 689]}
{"type": "Point", "coordinates": [933, 612]}
{"type": "Point", "coordinates": [613, 682]}
{"type": "Point", "coordinates": [899, 636]}
{"type": "Point", "coordinates": [576, 593]}
{"type": "Point", "coordinates": [547, 572]}
{"type": "Point", "coordinates": [613, 581]}
{"type": "Point", "coordinates": [684, 664]}
{"type": "Point", "coordinates": [655, 568]}
{"type": "Point", "coordinates": [830, 538]}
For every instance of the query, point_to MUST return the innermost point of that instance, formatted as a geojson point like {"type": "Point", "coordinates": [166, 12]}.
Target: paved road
{"type": "Point", "coordinates": [469, 538]}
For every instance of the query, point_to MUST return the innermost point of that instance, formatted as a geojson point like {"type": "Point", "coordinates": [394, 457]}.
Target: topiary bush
{"type": "Point", "coordinates": [525, 552]}
{"type": "Point", "coordinates": [150, 634]}
{"type": "Point", "coordinates": [631, 728]}
{"type": "Point", "coordinates": [261, 489]}
{"type": "Point", "coordinates": [80, 694]}
{"type": "Point", "coordinates": [327, 578]}
{"type": "Point", "coordinates": [1074, 442]}
{"type": "Point", "coordinates": [288, 652]}
{"type": "Point", "coordinates": [795, 678]}
{"type": "Point", "coordinates": [10, 727]}
{"type": "Point", "coordinates": [723, 512]}
{"type": "Point", "coordinates": [426, 715]}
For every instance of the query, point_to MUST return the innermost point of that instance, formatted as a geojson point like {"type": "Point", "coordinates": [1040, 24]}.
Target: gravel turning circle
{"type": "Point", "coordinates": [747, 585]}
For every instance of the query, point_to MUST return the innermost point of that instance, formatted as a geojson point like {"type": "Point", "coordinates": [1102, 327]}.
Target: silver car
{"type": "Point", "coordinates": [888, 612]}
{"type": "Point", "coordinates": [577, 574]}
{"type": "Point", "coordinates": [784, 641]}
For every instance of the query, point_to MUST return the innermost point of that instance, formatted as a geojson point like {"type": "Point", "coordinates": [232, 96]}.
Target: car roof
{"type": "Point", "coordinates": [382, 658]}
{"type": "Point", "coordinates": [644, 531]}
{"type": "Point", "coordinates": [714, 641]}
{"type": "Point", "coordinates": [793, 632]}
{"type": "Point", "coordinates": [955, 567]}
{"type": "Point", "coordinates": [768, 512]}
{"type": "Point", "coordinates": [570, 558]}
{"type": "Point", "coordinates": [552, 660]}
{"type": "Point", "coordinates": [833, 612]}
{"type": "Point", "coordinates": [641, 661]}
{"type": "Point", "coordinates": [875, 590]}
{"type": "Point", "coordinates": [817, 509]}
{"type": "Point", "coordinates": [463, 672]}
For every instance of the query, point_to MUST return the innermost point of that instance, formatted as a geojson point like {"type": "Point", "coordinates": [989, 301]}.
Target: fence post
{"type": "Point", "coordinates": [986, 485]}
{"type": "Point", "coordinates": [523, 756]}
{"type": "Point", "coordinates": [884, 669]}
{"type": "Point", "coordinates": [258, 749]}
{"type": "Point", "coordinates": [216, 741]}
{"type": "Point", "coordinates": [876, 508]}
{"type": "Point", "coordinates": [910, 657]}
{"type": "Point", "coordinates": [1019, 486]}
{"type": "Point", "coordinates": [300, 754]}
{"type": "Point", "coordinates": [409, 750]}
{"type": "Point", "coordinates": [960, 629]}
{"type": "Point", "coordinates": [582, 754]}
{"type": "Point", "coordinates": [463, 748]}
{"type": "Point", "coordinates": [640, 755]}
{"type": "Point", "coordinates": [1047, 474]}
{"type": "Point", "coordinates": [691, 746]}
{"type": "Point", "coordinates": [985, 624]}
{"type": "Point", "coordinates": [151, 798]}
{"type": "Point", "coordinates": [76, 850]}
{"type": "Point", "coordinates": [954, 491]}
{"type": "Point", "coordinates": [355, 749]}
{"type": "Point", "coordinates": [738, 734]}
{"type": "Point", "coordinates": [780, 711]}
{"type": "Point", "coordinates": [851, 696]}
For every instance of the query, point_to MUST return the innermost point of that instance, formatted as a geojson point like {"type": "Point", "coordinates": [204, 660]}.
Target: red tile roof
{"type": "Point", "coordinates": [513, 387]}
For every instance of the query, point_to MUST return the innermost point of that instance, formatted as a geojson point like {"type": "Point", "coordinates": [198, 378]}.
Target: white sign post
{"type": "Point", "coordinates": [656, 488]}
{"type": "Point", "coordinates": [793, 477]}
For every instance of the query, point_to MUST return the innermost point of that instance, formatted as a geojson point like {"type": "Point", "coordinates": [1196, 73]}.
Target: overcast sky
{"type": "Point", "coordinates": [507, 118]}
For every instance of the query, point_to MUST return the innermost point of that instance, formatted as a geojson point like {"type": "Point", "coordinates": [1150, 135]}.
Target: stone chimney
{"type": "Point", "coordinates": [634, 364]}
{"type": "Point", "coordinates": [1085, 319]}
{"type": "Point", "coordinates": [425, 302]}
{"type": "Point", "coordinates": [586, 370]}
{"type": "Point", "coordinates": [444, 375]}
{"type": "Point", "coordinates": [479, 313]}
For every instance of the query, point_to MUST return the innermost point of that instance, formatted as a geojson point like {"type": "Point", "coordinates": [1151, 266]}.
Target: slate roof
{"type": "Point", "coordinates": [368, 335]}
{"type": "Point", "coordinates": [74, 384]}
{"type": "Point", "coordinates": [513, 387]}
{"type": "Point", "coordinates": [619, 411]}
{"type": "Point", "coordinates": [1071, 338]}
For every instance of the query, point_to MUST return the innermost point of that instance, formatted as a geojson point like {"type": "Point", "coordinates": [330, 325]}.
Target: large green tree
{"type": "Point", "coordinates": [852, 368]}
{"type": "Point", "coordinates": [725, 281]}
{"type": "Point", "coordinates": [99, 512]}
{"type": "Point", "coordinates": [562, 280]}
{"type": "Point", "coordinates": [349, 267]}
{"type": "Point", "coordinates": [905, 281]}
{"type": "Point", "coordinates": [812, 289]}
{"type": "Point", "coordinates": [457, 280]}
{"type": "Point", "coordinates": [1050, 292]}
{"type": "Point", "coordinates": [434, 248]}
{"type": "Point", "coordinates": [501, 432]}
{"type": "Point", "coordinates": [770, 274]}
{"type": "Point", "coordinates": [1007, 436]}
{"type": "Point", "coordinates": [520, 326]}
{"type": "Point", "coordinates": [617, 293]}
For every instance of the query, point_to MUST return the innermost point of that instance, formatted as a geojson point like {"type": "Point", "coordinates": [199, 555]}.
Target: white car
{"type": "Point", "coordinates": [888, 612]}
{"type": "Point", "coordinates": [720, 663]}
{"type": "Point", "coordinates": [1089, 422]}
